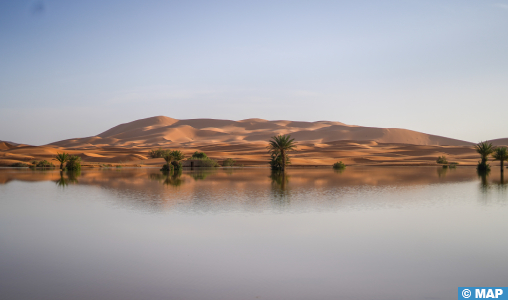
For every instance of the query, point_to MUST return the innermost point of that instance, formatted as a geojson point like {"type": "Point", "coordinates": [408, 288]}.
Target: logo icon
{"type": "Point", "coordinates": [466, 293]}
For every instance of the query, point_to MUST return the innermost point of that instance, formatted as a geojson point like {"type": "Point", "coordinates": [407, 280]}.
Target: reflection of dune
{"type": "Point", "coordinates": [251, 188]}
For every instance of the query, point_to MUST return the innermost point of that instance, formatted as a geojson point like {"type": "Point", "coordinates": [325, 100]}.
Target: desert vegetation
{"type": "Point", "coordinates": [199, 155]}
{"type": "Point", "coordinates": [178, 156]}
{"type": "Point", "coordinates": [442, 160]}
{"type": "Point", "coordinates": [44, 164]}
{"type": "Point", "coordinates": [159, 153]}
{"type": "Point", "coordinates": [73, 163]}
{"type": "Point", "coordinates": [168, 157]}
{"type": "Point", "coordinates": [19, 165]}
{"type": "Point", "coordinates": [501, 154]}
{"type": "Point", "coordinates": [228, 162]}
{"type": "Point", "coordinates": [62, 158]}
{"type": "Point", "coordinates": [278, 147]}
{"type": "Point", "coordinates": [205, 161]}
{"type": "Point", "coordinates": [484, 149]}
{"type": "Point", "coordinates": [339, 165]}
{"type": "Point", "coordinates": [173, 160]}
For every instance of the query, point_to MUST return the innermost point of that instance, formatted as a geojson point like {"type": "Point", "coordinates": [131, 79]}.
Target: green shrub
{"type": "Point", "coordinates": [159, 153]}
{"type": "Point", "coordinates": [339, 165]}
{"type": "Point", "coordinates": [19, 165]}
{"type": "Point", "coordinates": [210, 163]}
{"type": "Point", "coordinates": [74, 163]}
{"type": "Point", "coordinates": [43, 164]}
{"type": "Point", "coordinates": [442, 160]}
{"type": "Point", "coordinates": [228, 162]}
{"type": "Point", "coordinates": [199, 155]}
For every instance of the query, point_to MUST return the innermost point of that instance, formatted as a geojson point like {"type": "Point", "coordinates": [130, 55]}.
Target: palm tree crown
{"type": "Point", "coordinates": [177, 155]}
{"type": "Point", "coordinates": [484, 149]}
{"type": "Point", "coordinates": [280, 145]}
{"type": "Point", "coordinates": [62, 158]}
{"type": "Point", "coordinates": [168, 156]}
{"type": "Point", "coordinates": [501, 154]}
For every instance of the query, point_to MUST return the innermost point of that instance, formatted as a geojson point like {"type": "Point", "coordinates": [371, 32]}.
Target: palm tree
{"type": "Point", "coordinates": [484, 149]}
{"type": "Point", "coordinates": [177, 157]}
{"type": "Point", "coordinates": [279, 146]}
{"type": "Point", "coordinates": [62, 158]}
{"type": "Point", "coordinates": [501, 154]}
{"type": "Point", "coordinates": [168, 157]}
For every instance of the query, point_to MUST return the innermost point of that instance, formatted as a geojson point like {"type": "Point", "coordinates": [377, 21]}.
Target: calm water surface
{"type": "Point", "coordinates": [365, 233]}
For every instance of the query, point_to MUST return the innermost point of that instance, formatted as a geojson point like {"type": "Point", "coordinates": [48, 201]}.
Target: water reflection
{"type": "Point", "coordinates": [202, 174]}
{"type": "Point", "coordinates": [279, 184]}
{"type": "Point", "coordinates": [441, 171]}
{"type": "Point", "coordinates": [255, 188]}
{"type": "Point", "coordinates": [71, 177]}
{"type": "Point", "coordinates": [168, 178]}
{"type": "Point", "coordinates": [339, 171]}
{"type": "Point", "coordinates": [286, 235]}
{"type": "Point", "coordinates": [484, 183]}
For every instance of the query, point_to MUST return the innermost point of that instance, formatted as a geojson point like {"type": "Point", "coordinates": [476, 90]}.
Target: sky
{"type": "Point", "coordinates": [77, 68]}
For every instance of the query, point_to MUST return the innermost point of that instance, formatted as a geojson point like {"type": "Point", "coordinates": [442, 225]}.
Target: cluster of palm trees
{"type": "Point", "coordinates": [278, 147]}
{"type": "Point", "coordinates": [73, 162]}
{"type": "Point", "coordinates": [485, 149]}
{"type": "Point", "coordinates": [172, 158]}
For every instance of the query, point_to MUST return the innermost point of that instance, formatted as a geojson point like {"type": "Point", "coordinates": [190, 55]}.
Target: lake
{"type": "Point", "coordinates": [364, 233]}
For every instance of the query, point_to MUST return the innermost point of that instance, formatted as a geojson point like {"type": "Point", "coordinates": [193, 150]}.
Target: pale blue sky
{"type": "Point", "coordinates": [76, 68]}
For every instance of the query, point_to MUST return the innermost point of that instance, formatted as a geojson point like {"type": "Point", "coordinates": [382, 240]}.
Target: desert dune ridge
{"type": "Point", "coordinates": [319, 143]}
{"type": "Point", "coordinates": [169, 132]}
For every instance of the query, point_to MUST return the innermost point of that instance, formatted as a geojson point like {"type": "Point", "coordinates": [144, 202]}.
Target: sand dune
{"type": "Point", "coordinates": [165, 131]}
{"type": "Point", "coordinates": [499, 142]}
{"type": "Point", "coordinates": [319, 143]}
{"type": "Point", "coordinates": [7, 145]}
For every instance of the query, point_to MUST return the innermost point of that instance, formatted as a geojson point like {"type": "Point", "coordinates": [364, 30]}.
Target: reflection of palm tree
{"type": "Point", "coordinates": [156, 177]}
{"type": "Point", "coordinates": [280, 182]}
{"type": "Point", "coordinates": [62, 181]}
{"type": "Point", "coordinates": [202, 174]}
{"type": "Point", "coordinates": [500, 154]}
{"type": "Point", "coordinates": [441, 171]}
{"type": "Point", "coordinates": [72, 177]}
{"type": "Point", "coordinates": [168, 178]}
{"type": "Point", "coordinates": [280, 179]}
{"type": "Point", "coordinates": [174, 180]}
{"type": "Point", "coordinates": [483, 174]}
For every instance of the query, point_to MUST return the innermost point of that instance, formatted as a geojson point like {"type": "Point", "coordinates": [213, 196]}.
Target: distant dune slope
{"type": "Point", "coordinates": [499, 142]}
{"type": "Point", "coordinates": [164, 131]}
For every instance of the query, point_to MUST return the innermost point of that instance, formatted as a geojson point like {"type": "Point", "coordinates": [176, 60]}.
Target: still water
{"type": "Point", "coordinates": [365, 233]}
